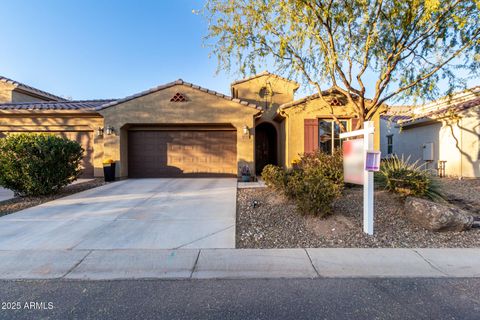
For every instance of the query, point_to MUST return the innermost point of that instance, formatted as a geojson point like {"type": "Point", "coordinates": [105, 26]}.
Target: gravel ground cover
{"type": "Point", "coordinates": [275, 223]}
{"type": "Point", "coordinates": [20, 203]}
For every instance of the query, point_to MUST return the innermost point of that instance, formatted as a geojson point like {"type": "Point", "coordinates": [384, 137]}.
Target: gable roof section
{"type": "Point", "coordinates": [310, 98]}
{"type": "Point", "coordinates": [265, 73]}
{"type": "Point", "coordinates": [458, 102]}
{"type": "Point", "coordinates": [30, 89]}
{"type": "Point", "coordinates": [86, 105]}
{"type": "Point", "coordinates": [396, 113]}
{"type": "Point", "coordinates": [174, 83]}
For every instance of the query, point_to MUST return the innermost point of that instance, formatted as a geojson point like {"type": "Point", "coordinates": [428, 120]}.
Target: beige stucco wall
{"type": "Point", "coordinates": [10, 93]}
{"type": "Point", "coordinates": [6, 92]}
{"type": "Point", "coordinates": [156, 108]}
{"type": "Point", "coordinates": [19, 96]}
{"type": "Point", "coordinates": [18, 121]}
{"type": "Point", "coordinates": [283, 92]}
{"type": "Point", "coordinates": [469, 126]}
{"type": "Point", "coordinates": [456, 141]}
{"type": "Point", "coordinates": [295, 119]}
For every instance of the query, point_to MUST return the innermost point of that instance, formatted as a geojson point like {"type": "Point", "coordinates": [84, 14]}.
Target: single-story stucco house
{"type": "Point", "coordinates": [181, 129]}
{"type": "Point", "coordinates": [444, 134]}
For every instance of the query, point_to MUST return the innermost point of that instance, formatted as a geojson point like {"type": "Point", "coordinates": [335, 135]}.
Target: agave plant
{"type": "Point", "coordinates": [404, 177]}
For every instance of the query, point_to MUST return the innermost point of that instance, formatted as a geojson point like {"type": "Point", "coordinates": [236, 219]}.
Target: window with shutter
{"type": "Point", "coordinates": [310, 135]}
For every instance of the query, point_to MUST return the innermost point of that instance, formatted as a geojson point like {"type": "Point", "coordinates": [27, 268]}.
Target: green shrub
{"type": "Point", "coordinates": [330, 165]}
{"type": "Point", "coordinates": [38, 164]}
{"type": "Point", "coordinates": [317, 193]}
{"type": "Point", "coordinates": [406, 178]}
{"type": "Point", "coordinates": [313, 184]}
{"type": "Point", "coordinates": [274, 177]}
{"type": "Point", "coordinates": [293, 183]}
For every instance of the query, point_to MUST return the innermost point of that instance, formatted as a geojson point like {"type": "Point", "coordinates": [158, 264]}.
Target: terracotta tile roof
{"type": "Point", "coordinates": [31, 89]}
{"type": "Point", "coordinates": [174, 83]}
{"type": "Point", "coordinates": [394, 118]}
{"type": "Point", "coordinates": [261, 74]}
{"type": "Point", "coordinates": [88, 105]}
{"type": "Point", "coordinates": [443, 107]}
{"type": "Point", "coordinates": [396, 113]}
{"type": "Point", "coordinates": [310, 97]}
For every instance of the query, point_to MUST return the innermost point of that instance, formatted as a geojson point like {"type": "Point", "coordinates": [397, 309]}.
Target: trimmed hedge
{"type": "Point", "coordinates": [38, 164]}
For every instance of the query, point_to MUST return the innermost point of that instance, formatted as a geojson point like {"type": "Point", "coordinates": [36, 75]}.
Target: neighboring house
{"type": "Point", "coordinates": [181, 129]}
{"type": "Point", "coordinates": [444, 134]}
{"type": "Point", "coordinates": [13, 91]}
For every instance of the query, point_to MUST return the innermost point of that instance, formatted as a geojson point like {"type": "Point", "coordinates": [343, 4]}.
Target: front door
{"type": "Point", "coordinates": [265, 146]}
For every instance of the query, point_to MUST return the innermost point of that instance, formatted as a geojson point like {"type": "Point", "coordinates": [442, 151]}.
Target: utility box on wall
{"type": "Point", "coordinates": [428, 151]}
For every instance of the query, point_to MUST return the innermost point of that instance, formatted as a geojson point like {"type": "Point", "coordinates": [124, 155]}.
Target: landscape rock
{"type": "Point", "coordinates": [436, 216]}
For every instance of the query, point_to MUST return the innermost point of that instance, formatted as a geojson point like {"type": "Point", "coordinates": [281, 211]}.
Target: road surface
{"type": "Point", "coordinates": [243, 299]}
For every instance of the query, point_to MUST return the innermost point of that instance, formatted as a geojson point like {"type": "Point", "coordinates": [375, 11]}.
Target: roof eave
{"type": "Point", "coordinates": [263, 74]}
{"type": "Point", "coordinates": [49, 111]}
{"type": "Point", "coordinates": [175, 83]}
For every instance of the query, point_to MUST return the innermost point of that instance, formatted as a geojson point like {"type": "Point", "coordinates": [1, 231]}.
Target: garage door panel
{"type": "Point", "coordinates": [175, 153]}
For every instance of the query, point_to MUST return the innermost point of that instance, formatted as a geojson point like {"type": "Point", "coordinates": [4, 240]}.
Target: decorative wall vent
{"type": "Point", "coordinates": [178, 97]}
{"type": "Point", "coordinates": [336, 102]}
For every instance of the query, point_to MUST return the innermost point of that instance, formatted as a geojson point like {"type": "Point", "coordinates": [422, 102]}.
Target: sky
{"type": "Point", "coordinates": [94, 49]}
{"type": "Point", "coordinates": [105, 49]}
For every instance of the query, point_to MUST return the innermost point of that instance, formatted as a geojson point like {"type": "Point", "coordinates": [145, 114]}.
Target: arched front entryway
{"type": "Point", "coordinates": [265, 146]}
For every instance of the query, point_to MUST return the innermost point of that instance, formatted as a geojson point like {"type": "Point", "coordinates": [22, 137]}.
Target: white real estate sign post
{"type": "Point", "coordinates": [353, 172]}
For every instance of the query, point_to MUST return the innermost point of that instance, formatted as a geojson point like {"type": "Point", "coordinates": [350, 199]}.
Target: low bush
{"type": "Point", "coordinates": [313, 184]}
{"type": "Point", "coordinates": [274, 177]}
{"type": "Point", "coordinates": [38, 164]}
{"type": "Point", "coordinates": [331, 165]}
{"type": "Point", "coordinates": [407, 178]}
{"type": "Point", "coordinates": [317, 193]}
{"type": "Point", "coordinates": [294, 183]}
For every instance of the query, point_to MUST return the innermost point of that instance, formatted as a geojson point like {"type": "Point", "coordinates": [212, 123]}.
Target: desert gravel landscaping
{"type": "Point", "coordinates": [275, 222]}
{"type": "Point", "coordinates": [20, 203]}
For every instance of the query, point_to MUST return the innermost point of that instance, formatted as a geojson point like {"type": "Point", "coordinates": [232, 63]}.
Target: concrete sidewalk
{"type": "Point", "coordinates": [238, 263]}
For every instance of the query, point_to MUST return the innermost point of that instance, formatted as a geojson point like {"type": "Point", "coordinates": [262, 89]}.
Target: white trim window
{"type": "Point", "coordinates": [390, 144]}
{"type": "Point", "coordinates": [329, 134]}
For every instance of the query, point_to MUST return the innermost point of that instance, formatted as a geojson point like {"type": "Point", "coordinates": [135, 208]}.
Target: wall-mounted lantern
{"type": "Point", "coordinates": [246, 131]}
{"type": "Point", "coordinates": [100, 132]}
{"type": "Point", "coordinates": [110, 130]}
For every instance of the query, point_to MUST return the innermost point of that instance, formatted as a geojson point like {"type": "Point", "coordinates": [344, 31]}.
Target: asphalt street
{"type": "Point", "coordinates": [242, 299]}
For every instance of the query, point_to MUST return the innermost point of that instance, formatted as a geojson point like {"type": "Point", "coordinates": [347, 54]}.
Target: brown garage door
{"type": "Point", "coordinates": [176, 153]}
{"type": "Point", "coordinates": [85, 139]}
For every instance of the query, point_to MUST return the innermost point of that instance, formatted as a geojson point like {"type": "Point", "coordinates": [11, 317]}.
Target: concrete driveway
{"type": "Point", "coordinates": [5, 194]}
{"type": "Point", "coordinates": [130, 214]}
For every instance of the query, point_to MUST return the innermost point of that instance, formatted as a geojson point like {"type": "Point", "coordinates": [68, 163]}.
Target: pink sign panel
{"type": "Point", "coordinates": [353, 161]}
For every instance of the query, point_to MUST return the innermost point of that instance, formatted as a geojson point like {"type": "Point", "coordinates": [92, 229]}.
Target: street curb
{"type": "Point", "coordinates": [298, 263]}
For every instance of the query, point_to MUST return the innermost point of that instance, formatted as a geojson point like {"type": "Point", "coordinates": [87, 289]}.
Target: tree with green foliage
{"type": "Point", "coordinates": [38, 164]}
{"type": "Point", "coordinates": [407, 46]}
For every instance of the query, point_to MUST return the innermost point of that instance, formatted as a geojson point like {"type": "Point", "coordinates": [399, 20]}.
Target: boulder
{"type": "Point", "coordinates": [437, 216]}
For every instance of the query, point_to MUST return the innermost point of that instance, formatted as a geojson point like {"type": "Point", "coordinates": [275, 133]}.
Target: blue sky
{"type": "Point", "coordinates": [105, 49]}
{"type": "Point", "coordinates": [87, 49]}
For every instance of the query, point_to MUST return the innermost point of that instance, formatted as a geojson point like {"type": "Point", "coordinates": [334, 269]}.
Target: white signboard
{"type": "Point", "coordinates": [353, 159]}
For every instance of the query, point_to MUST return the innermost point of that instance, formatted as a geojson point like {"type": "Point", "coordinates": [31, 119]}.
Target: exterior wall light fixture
{"type": "Point", "coordinates": [100, 132]}
{"type": "Point", "coordinates": [110, 130]}
{"type": "Point", "coordinates": [246, 131]}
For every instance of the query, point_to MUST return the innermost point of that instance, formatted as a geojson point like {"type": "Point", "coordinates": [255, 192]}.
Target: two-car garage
{"type": "Point", "coordinates": [182, 151]}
